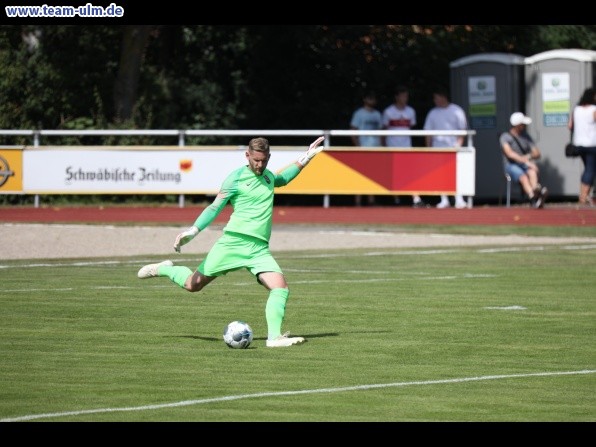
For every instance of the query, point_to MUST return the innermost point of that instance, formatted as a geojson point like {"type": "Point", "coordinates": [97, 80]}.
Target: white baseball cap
{"type": "Point", "coordinates": [518, 118]}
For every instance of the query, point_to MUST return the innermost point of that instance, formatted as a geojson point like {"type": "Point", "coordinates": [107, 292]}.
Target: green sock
{"type": "Point", "coordinates": [275, 311]}
{"type": "Point", "coordinates": [177, 273]}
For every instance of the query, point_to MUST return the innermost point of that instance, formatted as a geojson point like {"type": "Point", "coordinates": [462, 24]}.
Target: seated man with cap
{"type": "Point", "coordinates": [519, 153]}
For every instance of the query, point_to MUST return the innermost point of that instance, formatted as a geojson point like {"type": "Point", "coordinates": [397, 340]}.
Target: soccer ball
{"type": "Point", "coordinates": [237, 335]}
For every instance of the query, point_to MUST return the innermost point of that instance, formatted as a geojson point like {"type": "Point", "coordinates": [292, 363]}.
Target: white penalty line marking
{"type": "Point", "coordinates": [186, 403]}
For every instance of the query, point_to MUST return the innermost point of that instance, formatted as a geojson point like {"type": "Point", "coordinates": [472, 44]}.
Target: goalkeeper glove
{"type": "Point", "coordinates": [185, 237]}
{"type": "Point", "coordinates": [313, 150]}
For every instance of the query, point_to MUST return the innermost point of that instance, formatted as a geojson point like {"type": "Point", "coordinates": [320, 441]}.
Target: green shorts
{"type": "Point", "coordinates": [234, 251]}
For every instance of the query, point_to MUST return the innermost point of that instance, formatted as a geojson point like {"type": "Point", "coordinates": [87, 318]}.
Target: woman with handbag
{"type": "Point", "coordinates": [583, 126]}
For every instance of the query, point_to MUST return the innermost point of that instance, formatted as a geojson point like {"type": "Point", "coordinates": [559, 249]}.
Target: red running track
{"type": "Point", "coordinates": [553, 215]}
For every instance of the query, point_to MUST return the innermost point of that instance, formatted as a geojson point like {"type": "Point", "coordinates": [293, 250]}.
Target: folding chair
{"type": "Point", "coordinates": [508, 192]}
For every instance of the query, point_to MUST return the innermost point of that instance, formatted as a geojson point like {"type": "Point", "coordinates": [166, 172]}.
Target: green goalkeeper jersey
{"type": "Point", "coordinates": [251, 197]}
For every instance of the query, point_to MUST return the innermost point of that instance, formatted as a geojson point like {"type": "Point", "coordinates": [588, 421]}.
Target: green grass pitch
{"type": "Point", "coordinates": [393, 335]}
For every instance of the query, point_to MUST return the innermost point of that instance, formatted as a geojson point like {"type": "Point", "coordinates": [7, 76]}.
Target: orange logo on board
{"type": "Point", "coordinates": [185, 165]}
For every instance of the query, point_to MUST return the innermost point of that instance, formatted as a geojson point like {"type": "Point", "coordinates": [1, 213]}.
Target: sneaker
{"type": "Point", "coordinates": [538, 200]}
{"type": "Point", "coordinates": [150, 270]}
{"type": "Point", "coordinates": [542, 195]}
{"type": "Point", "coordinates": [419, 204]}
{"type": "Point", "coordinates": [537, 189]}
{"type": "Point", "coordinates": [442, 205]}
{"type": "Point", "coordinates": [284, 340]}
{"type": "Point", "coordinates": [461, 205]}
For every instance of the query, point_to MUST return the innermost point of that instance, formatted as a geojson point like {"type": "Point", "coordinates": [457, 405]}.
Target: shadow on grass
{"type": "Point", "coordinates": [218, 339]}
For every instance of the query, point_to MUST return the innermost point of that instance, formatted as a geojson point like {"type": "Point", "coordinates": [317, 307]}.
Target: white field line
{"type": "Point", "coordinates": [141, 262]}
{"type": "Point", "coordinates": [186, 403]}
{"type": "Point", "coordinates": [506, 308]}
{"type": "Point", "coordinates": [244, 283]}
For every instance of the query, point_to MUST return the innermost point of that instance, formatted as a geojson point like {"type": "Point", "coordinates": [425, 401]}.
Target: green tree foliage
{"type": "Point", "coordinates": [12, 81]}
{"type": "Point", "coordinates": [55, 74]}
{"type": "Point", "coordinates": [234, 77]}
{"type": "Point", "coordinates": [195, 78]}
{"type": "Point", "coordinates": [565, 36]}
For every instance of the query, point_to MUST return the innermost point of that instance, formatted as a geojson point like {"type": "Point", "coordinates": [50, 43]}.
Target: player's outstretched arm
{"type": "Point", "coordinates": [203, 221]}
{"type": "Point", "coordinates": [313, 150]}
{"type": "Point", "coordinates": [185, 237]}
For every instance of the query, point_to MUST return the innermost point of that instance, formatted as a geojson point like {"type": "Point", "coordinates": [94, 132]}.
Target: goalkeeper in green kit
{"type": "Point", "coordinates": [245, 239]}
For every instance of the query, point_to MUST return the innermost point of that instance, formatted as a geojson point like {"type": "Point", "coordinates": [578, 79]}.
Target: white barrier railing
{"type": "Point", "coordinates": [37, 134]}
{"type": "Point", "coordinates": [182, 134]}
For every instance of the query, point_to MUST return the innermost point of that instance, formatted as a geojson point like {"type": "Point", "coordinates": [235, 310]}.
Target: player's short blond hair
{"type": "Point", "coordinates": [258, 144]}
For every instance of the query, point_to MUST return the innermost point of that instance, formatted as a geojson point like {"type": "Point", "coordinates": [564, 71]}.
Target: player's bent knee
{"type": "Point", "coordinates": [193, 286]}
{"type": "Point", "coordinates": [197, 281]}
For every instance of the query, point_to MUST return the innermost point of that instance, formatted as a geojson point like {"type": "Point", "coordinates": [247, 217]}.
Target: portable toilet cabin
{"type": "Point", "coordinates": [489, 87]}
{"type": "Point", "coordinates": [555, 81]}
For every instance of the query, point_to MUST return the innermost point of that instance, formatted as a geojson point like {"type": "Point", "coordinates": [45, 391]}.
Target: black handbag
{"type": "Point", "coordinates": [571, 151]}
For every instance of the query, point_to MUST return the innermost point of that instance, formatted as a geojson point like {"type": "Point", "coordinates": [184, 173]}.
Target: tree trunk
{"type": "Point", "coordinates": [134, 42]}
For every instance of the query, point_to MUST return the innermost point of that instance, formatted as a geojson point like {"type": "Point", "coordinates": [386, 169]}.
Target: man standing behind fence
{"type": "Point", "coordinates": [367, 117]}
{"type": "Point", "coordinates": [400, 116]}
{"type": "Point", "coordinates": [446, 116]}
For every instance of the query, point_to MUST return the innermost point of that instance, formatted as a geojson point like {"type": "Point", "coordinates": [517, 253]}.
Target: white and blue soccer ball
{"type": "Point", "coordinates": [238, 335]}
